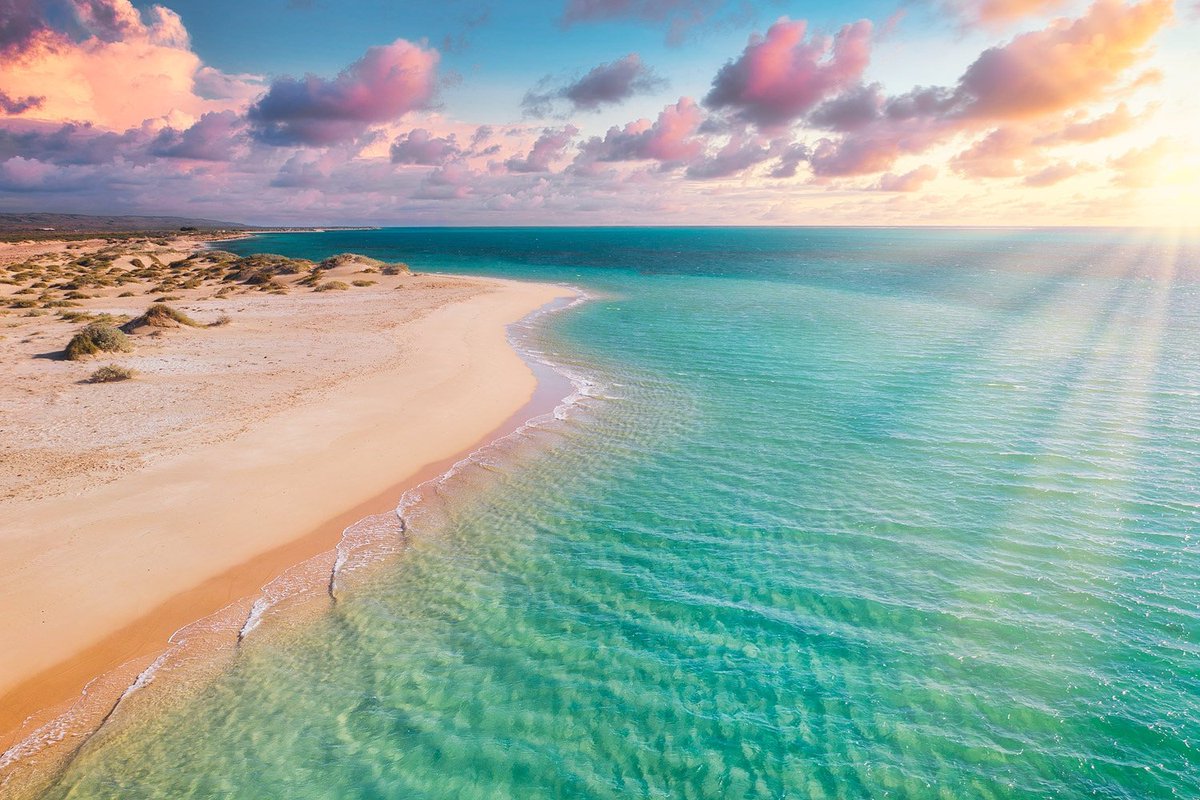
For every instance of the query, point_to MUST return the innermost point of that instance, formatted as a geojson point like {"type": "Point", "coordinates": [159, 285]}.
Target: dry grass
{"type": "Point", "coordinates": [330, 286]}
{"type": "Point", "coordinates": [111, 374]}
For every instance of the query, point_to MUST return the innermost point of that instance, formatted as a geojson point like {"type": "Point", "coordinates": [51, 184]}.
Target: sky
{"type": "Point", "coordinates": [604, 112]}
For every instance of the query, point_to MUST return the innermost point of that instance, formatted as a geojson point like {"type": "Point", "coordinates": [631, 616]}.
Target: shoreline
{"type": "Point", "coordinates": [41, 696]}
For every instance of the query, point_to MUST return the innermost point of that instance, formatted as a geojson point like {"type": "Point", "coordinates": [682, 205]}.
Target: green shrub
{"type": "Point", "coordinates": [111, 374]}
{"type": "Point", "coordinates": [97, 337]}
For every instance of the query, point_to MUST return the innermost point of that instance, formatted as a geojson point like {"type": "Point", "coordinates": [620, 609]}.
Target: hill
{"type": "Point", "coordinates": [39, 223]}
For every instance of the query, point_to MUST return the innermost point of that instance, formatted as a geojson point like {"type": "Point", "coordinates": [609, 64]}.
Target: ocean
{"type": "Point", "coordinates": [834, 513]}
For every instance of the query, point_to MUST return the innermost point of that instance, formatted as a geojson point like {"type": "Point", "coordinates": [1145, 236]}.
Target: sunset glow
{"type": "Point", "coordinates": [1012, 112]}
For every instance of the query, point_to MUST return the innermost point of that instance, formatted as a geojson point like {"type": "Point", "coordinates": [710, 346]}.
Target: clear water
{"type": "Point", "coordinates": [858, 514]}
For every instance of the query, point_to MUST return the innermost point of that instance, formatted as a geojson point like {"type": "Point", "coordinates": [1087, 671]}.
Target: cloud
{"type": "Point", "coordinates": [72, 144]}
{"type": "Point", "coordinates": [548, 148]}
{"type": "Point", "coordinates": [737, 155]}
{"type": "Point", "coordinates": [212, 84]}
{"type": "Point", "coordinates": [781, 76]}
{"type": "Point", "coordinates": [450, 182]}
{"type": "Point", "coordinates": [1055, 173]}
{"type": "Point", "coordinates": [907, 182]}
{"type": "Point", "coordinates": [381, 86]}
{"type": "Point", "coordinates": [103, 62]}
{"type": "Point", "coordinates": [606, 84]}
{"type": "Point", "coordinates": [19, 105]}
{"type": "Point", "coordinates": [212, 138]}
{"type": "Point", "coordinates": [419, 146]}
{"type": "Point", "coordinates": [670, 139]}
{"type": "Point", "coordinates": [994, 13]}
{"type": "Point", "coordinates": [1016, 94]}
{"type": "Point", "coordinates": [854, 108]}
{"type": "Point", "coordinates": [1140, 166]}
{"type": "Point", "coordinates": [1066, 64]}
{"type": "Point", "coordinates": [21, 22]}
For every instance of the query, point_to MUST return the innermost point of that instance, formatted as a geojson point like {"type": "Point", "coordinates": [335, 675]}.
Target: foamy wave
{"type": "Point", "coordinates": [361, 547]}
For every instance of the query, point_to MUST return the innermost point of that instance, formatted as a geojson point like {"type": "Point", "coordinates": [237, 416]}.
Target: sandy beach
{"type": "Point", "coordinates": [244, 444]}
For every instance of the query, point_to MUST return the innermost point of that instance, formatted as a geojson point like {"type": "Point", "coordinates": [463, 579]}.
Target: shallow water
{"type": "Point", "coordinates": [852, 513]}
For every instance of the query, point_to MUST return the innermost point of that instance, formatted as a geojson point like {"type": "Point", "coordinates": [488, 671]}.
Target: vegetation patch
{"type": "Point", "coordinates": [111, 374]}
{"type": "Point", "coordinates": [161, 315]}
{"type": "Point", "coordinates": [330, 286]}
{"type": "Point", "coordinates": [97, 337]}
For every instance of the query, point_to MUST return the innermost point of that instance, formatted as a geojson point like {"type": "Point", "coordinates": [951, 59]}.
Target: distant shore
{"type": "Point", "coordinates": [248, 439]}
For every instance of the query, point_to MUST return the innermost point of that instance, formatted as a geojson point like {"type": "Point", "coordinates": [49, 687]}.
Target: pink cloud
{"type": "Point", "coordinates": [419, 146]}
{"type": "Point", "coordinates": [907, 182]}
{"type": "Point", "coordinates": [1068, 63]}
{"type": "Point", "coordinates": [549, 147]}
{"type": "Point", "coordinates": [213, 138]}
{"type": "Point", "coordinates": [450, 182]}
{"type": "Point", "coordinates": [109, 64]}
{"type": "Point", "coordinates": [1114, 123]}
{"type": "Point", "coordinates": [736, 156]}
{"type": "Point", "coordinates": [1016, 93]}
{"type": "Point", "coordinates": [992, 13]}
{"type": "Point", "coordinates": [380, 87]}
{"type": "Point", "coordinates": [781, 76]}
{"type": "Point", "coordinates": [669, 139]}
{"type": "Point", "coordinates": [996, 155]}
{"type": "Point", "coordinates": [1055, 173]}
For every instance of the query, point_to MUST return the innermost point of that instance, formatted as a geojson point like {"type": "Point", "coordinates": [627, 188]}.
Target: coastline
{"type": "Point", "coordinates": [460, 385]}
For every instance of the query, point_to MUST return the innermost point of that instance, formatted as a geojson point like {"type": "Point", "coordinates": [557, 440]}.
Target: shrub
{"type": "Point", "coordinates": [341, 259]}
{"type": "Point", "coordinates": [399, 268]}
{"type": "Point", "coordinates": [221, 321]}
{"type": "Point", "coordinates": [162, 316]}
{"type": "Point", "coordinates": [97, 337]}
{"type": "Point", "coordinates": [363, 283]}
{"type": "Point", "coordinates": [111, 374]}
{"type": "Point", "coordinates": [330, 286]}
{"type": "Point", "coordinates": [127, 294]}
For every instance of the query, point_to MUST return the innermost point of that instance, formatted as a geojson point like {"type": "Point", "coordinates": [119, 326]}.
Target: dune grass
{"type": "Point", "coordinates": [161, 315]}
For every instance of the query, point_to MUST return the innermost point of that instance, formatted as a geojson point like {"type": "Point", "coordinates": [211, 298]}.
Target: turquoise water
{"type": "Point", "coordinates": [851, 514]}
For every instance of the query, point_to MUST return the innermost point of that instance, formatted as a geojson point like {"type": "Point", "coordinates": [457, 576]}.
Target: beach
{"type": "Point", "coordinates": [244, 445]}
